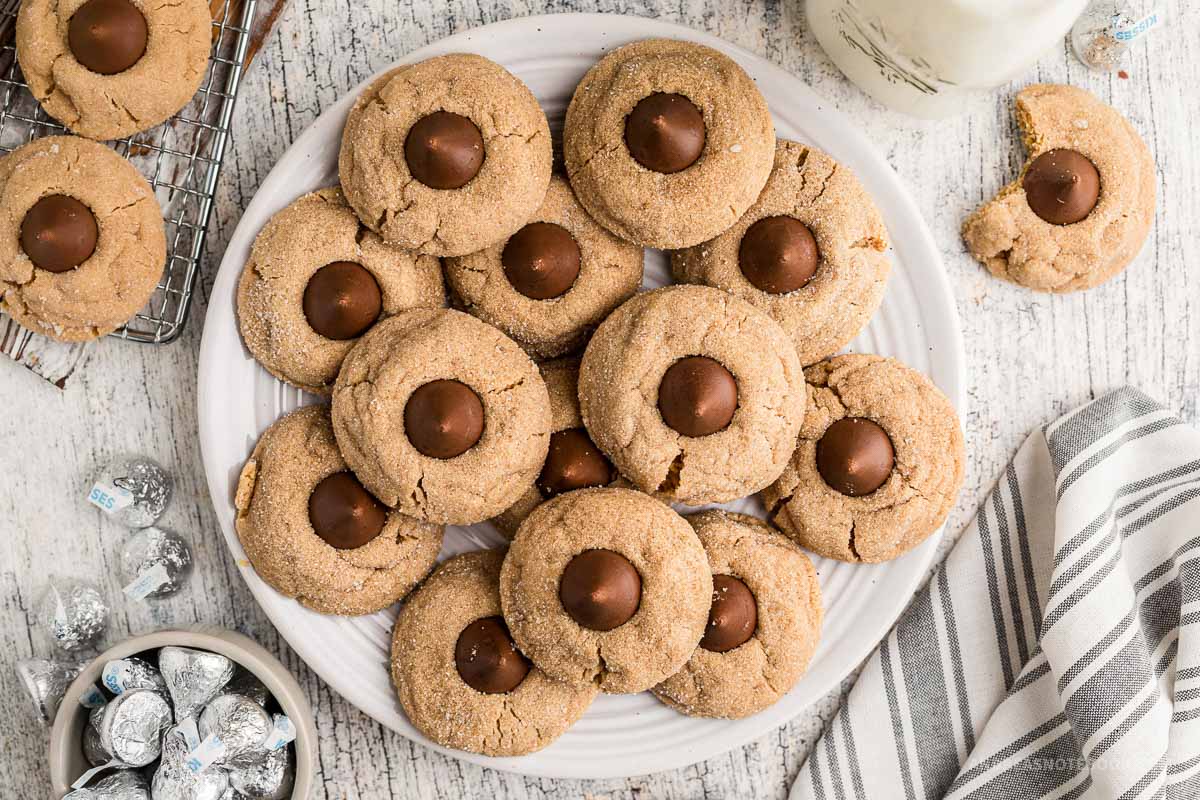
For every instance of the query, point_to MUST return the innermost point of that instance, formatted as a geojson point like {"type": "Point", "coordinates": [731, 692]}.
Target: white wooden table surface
{"type": "Point", "coordinates": [1029, 357]}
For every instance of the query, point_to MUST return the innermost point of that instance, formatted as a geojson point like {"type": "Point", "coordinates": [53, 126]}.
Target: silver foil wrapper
{"type": "Point", "coordinates": [245, 683]}
{"type": "Point", "coordinates": [194, 677]}
{"type": "Point", "coordinates": [123, 785]}
{"type": "Point", "coordinates": [268, 777]}
{"type": "Point", "coordinates": [149, 487]}
{"type": "Point", "coordinates": [92, 697]}
{"type": "Point", "coordinates": [125, 674]}
{"type": "Point", "coordinates": [46, 682]}
{"type": "Point", "coordinates": [73, 613]}
{"type": "Point", "coordinates": [174, 780]}
{"type": "Point", "coordinates": [132, 726]}
{"type": "Point", "coordinates": [240, 723]}
{"type": "Point", "coordinates": [95, 716]}
{"type": "Point", "coordinates": [93, 749]}
{"type": "Point", "coordinates": [155, 562]}
{"type": "Point", "coordinates": [95, 752]}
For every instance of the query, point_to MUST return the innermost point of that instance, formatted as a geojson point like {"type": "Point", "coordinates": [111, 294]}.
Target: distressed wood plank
{"type": "Point", "coordinates": [53, 361]}
{"type": "Point", "coordinates": [1030, 357]}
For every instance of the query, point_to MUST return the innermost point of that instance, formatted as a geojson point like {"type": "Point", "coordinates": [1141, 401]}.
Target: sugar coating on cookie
{"type": "Point", "coordinates": [786, 625]}
{"type": "Point", "coordinates": [426, 672]}
{"type": "Point", "coordinates": [823, 310]}
{"type": "Point", "coordinates": [274, 523]}
{"type": "Point", "coordinates": [277, 283]}
{"type": "Point", "coordinates": [609, 271]}
{"type": "Point", "coordinates": [631, 528]}
{"type": "Point", "coordinates": [562, 380]}
{"type": "Point", "coordinates": [1008, 237]}
{"type": "Point", "coordinates": [383, 384]}
{"type": "Point", "coordinates": [493, 203]}
{"type": "Point", "coordinates": [927, 467]}
{"type": "Point", "coordinates": [626, 366]}
{"type": "Point", "coordinates": [686, 206]}
{"type": "Point", "coordinates": [52, 184]}
{"type": "Point", "coordinates": [158, 83]}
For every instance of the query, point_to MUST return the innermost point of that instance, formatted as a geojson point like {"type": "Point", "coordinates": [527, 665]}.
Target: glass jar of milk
{"type": "Point", "coordinates": [923, 57]}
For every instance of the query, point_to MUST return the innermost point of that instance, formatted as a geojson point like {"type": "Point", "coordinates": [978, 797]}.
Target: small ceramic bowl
{"type": "Point", "coordinates": [67, 761]}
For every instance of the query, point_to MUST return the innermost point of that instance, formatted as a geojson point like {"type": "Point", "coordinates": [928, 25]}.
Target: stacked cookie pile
{"type": "Point", "coordinates": [573, 411]}
{"type": "Point", "coordinates": [82, 240]}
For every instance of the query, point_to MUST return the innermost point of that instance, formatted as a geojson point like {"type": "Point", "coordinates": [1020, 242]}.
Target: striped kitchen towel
{"type": "Point", "coordinates": [1056, 652]}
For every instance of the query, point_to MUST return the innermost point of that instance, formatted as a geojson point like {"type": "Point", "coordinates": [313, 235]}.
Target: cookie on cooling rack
{"type": "Point", "coordinates": [111, 68]}
{"type": "Point", "coordinates": [447, 156]}
{"type": "Point", "coordinates": [82, 243]}
{"type": "Point", "coordinates": [459, 676]}
{"type": "Point", "coordinates": [314, 533]}
{"type": "Point", "coordinates": [809, 252]}
{"type": "Point", "coordinates": [878, 463]}
{"type": "Point", "coordinates": [316, 281]}
{"type": "Point", "coordinates": [763, 625]}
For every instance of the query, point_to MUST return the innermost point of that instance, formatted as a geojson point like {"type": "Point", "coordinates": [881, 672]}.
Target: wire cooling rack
{"type": "Point", "coordinates": [181, 158]}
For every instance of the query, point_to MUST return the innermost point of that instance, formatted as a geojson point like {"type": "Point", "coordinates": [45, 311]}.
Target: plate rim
{"type": "Point", "coordinates": [904, 211]}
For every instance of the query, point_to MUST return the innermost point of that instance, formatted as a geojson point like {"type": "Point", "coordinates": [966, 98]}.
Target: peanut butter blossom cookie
{"type": "Point", "coordinates": [1083, 204]}
{"type": "Point", "coordinates": [441, 416]}
{"type": "Point", "coordinates": [447, 156]}
{"type": "Point", "coordinates": [878, 465]}
{"type": "Point", "coordinates": [667, 143]}
{"type": "Point", "coordinates": [459, 675]}
{"type": "Point", "coordinates": [809, 252]}
{"type": "Point", "coordinates": [111, 68]}
{"type": "Point", "coordinates": [550, 283]}
{"type": "Point", "coordinates": [82, 244]}
{"type": "Point", "coordinates": [693, 393]}
{"type": "Point", "coordinates": [573, 461]}
{"type": "Point", "coordinates": [606, 587]}
{"type": "Point", "coordinates": [763, 624]}
{"type": "Point", "coordinates": [313, 532]}
{"type": "Point", "coordinates": [316, 281]}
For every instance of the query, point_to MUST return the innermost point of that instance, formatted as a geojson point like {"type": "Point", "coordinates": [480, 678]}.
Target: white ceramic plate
{"type": "Point", "coordinates": [620, 735]}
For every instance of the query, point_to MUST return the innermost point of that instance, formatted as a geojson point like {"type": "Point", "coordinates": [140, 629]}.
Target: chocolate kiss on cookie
{"type": "Point", "coordinates": [600, 589]}
{"type": "Point", "coordinates": [665, 132]}
{"type": "Point", "coordinates": [574, 462]}
{"type": "Point", "coordinates": [342, 300]}
{"type": "Point", "coordinates": [855, 456]}
{"type": "Point", "coordinates": [443, 419]}
{"type": "Point", "coordinates": [778, 255]}
{"type": "Point", "coordinates": [697, 396]}
{"type": "Point", "coordinates": [733, 616]}
{"type": "Point", "coordinates": [541, 260]}
{"type": "Point", "coordinates": [444, 150]}
{"type": "Point", "coordinates": [107, 36]}
{"type": "Point", "coordinates": [486, 658]}
{"type": "Point", "coordinates": [1062, 186]}
{"type": "Point", "coordinates": [59, 233]}
{"type": "Point", "coordinates": [343, 513]}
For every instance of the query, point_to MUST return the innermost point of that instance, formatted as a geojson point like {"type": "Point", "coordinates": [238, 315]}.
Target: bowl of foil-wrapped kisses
{"type": "Point", "coordinates": [200, 712]}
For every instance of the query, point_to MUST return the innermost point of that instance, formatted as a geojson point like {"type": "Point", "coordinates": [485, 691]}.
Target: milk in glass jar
{"type": "Point", "coordinates": [925, 57]}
